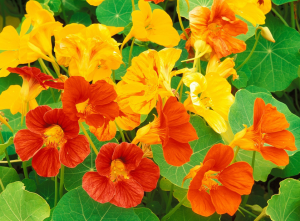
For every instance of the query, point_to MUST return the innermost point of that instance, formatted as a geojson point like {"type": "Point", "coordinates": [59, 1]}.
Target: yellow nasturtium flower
{"type": "Point", "coordinates": [156, 27]}
{"type": "Point", "coordinates": [210, 97]}
{"type": "Point", "coordinates": [89, 52]}
{"type": "Point", "coordinates": [252, 10]}
{"type": "Point", "coordinates": [94, 2]}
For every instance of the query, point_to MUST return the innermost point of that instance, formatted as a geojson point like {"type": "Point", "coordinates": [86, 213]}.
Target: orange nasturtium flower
{"type": "Point", "coordinates": [210, 97]}
{"type": "Point", "coordinates": [156, 27]}
{"type": "Point", "coordinates": [89, 52]}
{"type": "Point", "coordinates": [149, 75]}
{"type": "Point", "coordinates": [218, 27]}
{"type": "Point", "coordinates": [252, 10]}
{"type": "Point", "coordinates": [122, 176]}
{"type": "Point", "coordinates": [269, 126]}
{"type": "Point", "coordinates": [51, 139]}
{"type": "Point", "coordinates": [22, 99]}
{"type": "Point", "coordinates": [92, 103]}
{"type": "Point", "coordinates": [217, 186]}
{"type": "Point", "coordinates": [171, 129]}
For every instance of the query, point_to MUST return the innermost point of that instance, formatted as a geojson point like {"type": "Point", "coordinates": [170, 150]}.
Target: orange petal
{"type": "Point", "coordinates": [282, 140]}
{"type": "Point", "coordinates": [201, 202]}
{"type": "Point", "coordinates": [106, 132]}
{"type": "Point", "coordinates": [225, 200]}
{"type": "Point", "coordinates": [259, 107]}
{"type": "Point", "coordinates": [175, 112]}
{"type": "Point", "coordinates": [183, 133]}
{"type": "Point", "coordinates": [275, 155]}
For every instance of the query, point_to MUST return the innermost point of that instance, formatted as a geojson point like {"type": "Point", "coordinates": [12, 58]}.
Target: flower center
{"type": "Point", "coordinates": [54, 136]}
{"type": "Point", "coordinates": [210, 180]}
{"type": "Point", "coordinates": [84, 109]}
{"type": "Point", "coordinates": [215, 27]}
{"type": "Point", "coordinates": [260, 2]}
{"type": "Point", "coordinates": [118, 170]}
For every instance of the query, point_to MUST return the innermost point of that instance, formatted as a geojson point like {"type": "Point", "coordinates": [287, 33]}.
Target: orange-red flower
{"type": "Point", "coordinates": [172, 129]}
{"type": "Point", "coordinates": [217, 27]}
{"type": "Point", "coordinates": [122, 176]}
{"type": "Point", "coordinates": [217, 186]}
{"type": "Point", "coordinates": [155, 1]}
{"type": "Point", "coordinates": [51, 139]}
{"type": "Point", "coordinates": [269, 126]}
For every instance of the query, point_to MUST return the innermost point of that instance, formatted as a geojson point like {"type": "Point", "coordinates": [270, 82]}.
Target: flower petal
{"type": "Point", "coordinates": [146, 174]}
{"type": "Point", "coordinates": [129, 193]}
{"type": "Point", "coordinates": [106, 132]}
{"type": "Point", "coordinates": [282, 139]}
{"type": "Point", "coordinates": [201, 202]}
{"type": "Point", "coordinates": [183, 133]}
{"type": "Point", "coordinates": [74, 151]}
{"type": "Point", "coordinates": [225, 200]}
{"type": "Point", "coordinates": [176, 112]}
{"type": "Point", "coordinates": [27, 144]}
{"type": "Point", "coordinates": [104, 158]}
{"type": "Point", "coordinates": [46, 162]}
{"type": "Point", "coordinates": [275, 155]}
{"type": "Point", "coordinates": [238, 177]}
{"type": "Point", "coordinates": [259, 109]}
{"type": "Point", "coordinates": [100, 188]}
{"type": "Point", "coordinates": [102, 93]}
{"type": "Point", "coordinates": [35, 119]}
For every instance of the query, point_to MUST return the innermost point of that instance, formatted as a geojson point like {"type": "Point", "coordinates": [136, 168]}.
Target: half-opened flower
{"type": "Point", "coordinates": [171, 129]}
{"type": "Point", "coordinates": [122, 176]}
{"type": "Point", "coordinates": [269, 127]}
{"type": "Point", "coordinates": [51, 139]}
{"type": "Point", "coordinates": [217, 186]}
{"type": "Point", "coordinates": [218, 27]}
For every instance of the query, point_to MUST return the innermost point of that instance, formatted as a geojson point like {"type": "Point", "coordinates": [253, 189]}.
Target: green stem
{"type": "Point", "coordinates": [168, 207]}
{"type": "Point", "coordinates": [253, 160]}
{"type": "Point", "coordinates": [180, 95]}
{"type": "Point", "coordinates": [180, 21]}
{"type": "Point", "coordinates": [249, 56]}
{"type": "Point", "coordinates": [235, 154]}
{"type": "Point", "coordinates": [280, 17]}
{"type": "Point", "coordinates": [133, 6]}
{"type": "Point", "coordinates": [88, 137]}
{"type": "Point", "coordinates": [296, 99]}
{"type": "Point", "coordinates": [53, 95]}
{"type": "Point", "coordinates": [2, 186]}
{"type": "Point", "coordinates": [121, 132]}
{"type": "Point", "coordinates": [6, 154]}
{"type": "Point", "coordinates": [36, 177]}
{"type": "Point", "coordinates": [62, 178]}
{"type": "Point", "coordinates": [286, 11]}
{"type": "Point", "coordinates": [114, 76]}
{"type": "Point", "coordinates": [65, 69]}
{"type": "Point", "coordinates": [25, 169]}
{"type": "Point", "coordinates": [130, 53]}
{"type": "Point", "coordinates": [165, 6]}
{"type": "Point", "coordinates": [269, 184]}
{"type": "Point", "coordinates": [174, 209]}
{"type": "Point", "coordinates": [55, 196]}
{"type": "Point", "coordinates": [246, 211]}
{"type": "Point", "coordinates": [44, 67]}
{"type": "Point", "coordinates": [12, 161]}
{"type": "Point", "coordinates": [128, 138]}
{"type": "Point", "coordinates": [293, 15]}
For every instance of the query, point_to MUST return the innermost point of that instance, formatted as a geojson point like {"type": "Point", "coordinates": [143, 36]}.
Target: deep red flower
{"type": "Point", "coordinates": [51, 139]}
{"type": "Point", "coordinates": [122, 175]}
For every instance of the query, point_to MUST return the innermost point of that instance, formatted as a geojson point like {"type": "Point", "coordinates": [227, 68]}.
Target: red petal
{"type": "Point", "coordinates": [146, 174]}
{"type": "Point", "coordinates": [27, 144]}
{"type": "Point", "coordinates": [259, 108]}
{"type": "Point", "coordinates": [128, 194]}
{"type": "Point", "coordinates": [104, 158]}
{"type": "Point", "coordinates": [225, 200]}
{"type": "Point", "coordinates": [177, 153]}
{"type": "Point", "coordinates": [57, 117]}
{"type": "Point", "coordinates": [95, 120]}
{"type": "Point", "coordinates": [102, 93]}
{"type": "Point", "coordinates": [283, 140]}
{"type": "Point", "coordinates": [46, 162]}
{"type": "Point", "coordinates": [201, 202]}
{"type": "Point", "coordinates": [77, 90]}
{"type": "Point", "coordinates": [110, 111]}
{"type": "Point", "coordinates": [175, 112]}
{"type": "Point", "coordinates": [130, 154]}
{"type": "Point", "coordinates": [106, 132]}
{"type": "Point", "coordinates": [222, 154]}
{"type": "Point", "coordinates": [275, 155]}
{"type": "Point", "coordinates": [100, 188]}
{"type": "Point", "coordinates": [74, 151]}
{"type": "Point", "coordinates": [238, 177]}
{"type": "Point", "coordinates": [183, 133]}
{"type": "Point", "coordinates": [35, 119]}
{"type": "Point", "coordinates": [56, 85]}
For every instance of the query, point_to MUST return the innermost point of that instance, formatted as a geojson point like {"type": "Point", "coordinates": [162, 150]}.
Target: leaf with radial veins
{"type": "Point", "coordinates": [280, 2]}
{"type": "Point", "coordinates": [184, 10]}
{"type": "Point", "coordinates": [207, 138]}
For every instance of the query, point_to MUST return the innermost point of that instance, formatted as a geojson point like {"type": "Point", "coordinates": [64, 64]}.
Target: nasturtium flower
{"type": "Point", "coordinates": [171, 129]}
{"type": "Point", "coordinates": [89, 52]}
{"type": "Point", "coordinates": [217, 186]}
{"type": "Point", "coordinates": [149, 75]}
{"type": "Point", "coordinates": [210, 97]}
{"type": "Point", "coordinates": [22, 99]}
{"type": "Point", "coordinates": [269, 127]}
{"type": "Point", "coordinates": [252, 10]}
{"type": "Point", "coordinates": [37, 15]}
{"type": "Point", "coordinates": [94, 2]}
{"type": "Point", "coordinates": [51, 140]}
{"type": "Point", "coordinates": [218, 27]}
{"type": "Point", "coordinates": [156, 27]}
{"type": "Point", "coordinates": [122, 176]}
{"type": "Point", "coordinates": [92, 103]}
{"type": "Point", "coordinates": [155, 1]}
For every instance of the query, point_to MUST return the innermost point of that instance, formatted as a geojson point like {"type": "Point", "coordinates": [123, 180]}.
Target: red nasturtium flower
{"type": "Point", "coordinates": [92, 103]}
{"type": "Point", "coordinates": [51, 139]}
{"type": "Point", "coordinates": [269, 126]}
{"type": "Point", "coordinates": [217, 186]}
{"type": "Point", "coordinates": [172, 129]}
{"type": "Point", "coordinates": [122, 175]}
{"type": "Point", "coordinates": [217, 27]}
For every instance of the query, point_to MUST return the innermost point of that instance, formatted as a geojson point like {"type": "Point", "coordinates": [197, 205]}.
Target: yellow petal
{"type": "Point", "coordinates": [9, 39]}
{"type": "Point", "coordinates": [114, 30]}
{"type": "Point", "coordinates": [215, 121]}
{"type": "Point", "coordinates": [94, 2]}
{"type": "Point", "coordinates": [8, 59]}
{"type": "Point", "coordinates": [25, 26]}
{"type": "Point", "coordinates": [266, 6]}
{"type": "Point", "coordinates": [9, 97]}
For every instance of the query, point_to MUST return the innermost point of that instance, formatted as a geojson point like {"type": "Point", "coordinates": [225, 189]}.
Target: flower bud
{"type": "Point", "coordinates": [265, 32]}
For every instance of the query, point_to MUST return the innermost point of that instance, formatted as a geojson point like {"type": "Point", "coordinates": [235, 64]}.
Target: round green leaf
{"type": "Point", "coordinates": [241, 82]}
{"type": "Point", "coordinates": [184, 213]}
{"type": "Point", "coordinates": [8, 175]}
{"type": "Point", "coordinates": [29, 185]}
{"type": "Point", "coordinates": [280, 2]}
{"type": "Point", "coordinates": [19, 204]}
{"type": "Point", "coordinates": [292, 169]}
{"type": "Point", "coordinates": [77, 205]}
{"type": "Point", "coordinates": [207, 138]}
{"type": "Point", "coordinates": [286, 204]}
{"type": "Point", "coordinates": [47, 191]}
{"type": "Point", "coordinates": [184, 10]}
{"type": "Point", "coordinates": [11, 79]}
{"type": "Point", "coordinates": [81, 18]}
{"type": "Point", "coordinates": [274, 65]}
{"type": "Point", "coordinates": [145, 214]}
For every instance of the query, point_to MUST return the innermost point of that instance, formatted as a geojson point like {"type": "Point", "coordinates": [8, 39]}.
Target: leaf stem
{"type": "Point", "coordinates": [253, 160]}
{"type": "Point", "coordinates": [269, 184]}
{"type": "Point", "coordinates": [88, 137]}
{"type": "Point", "coordinates": [181, 90]}
{"type": "Point", "coordinates": [293, 15]}
{"type": "Point", "coordinates": [2, 186]}
{"type": "Point", "coordinates": [174, 209]}
{"type": "Point", "coordinates": [114, 76]}
{"type": "Point", "coordinates": [25, 169]}
{"type": "Point", "coordinates": [12, 161]}
{"type": "Point", "coordinates": [235, 154]}
{"type": "Point", "coordinates": [56, 192]}
{"type": "Point", "coordinates": [121, 132]}
{"type": "Point", "coordinates": [246, 211]}
{"type": "Point", "coordinates": [44, 67]}
{"type": "Point", "coordinates": [180, 21]}
{"type": "Point", "coordinates": [168, 207]}
{"type": "Point", "coordinates": [133, 6]}
{"type": "Point", "coordinates": [36, 177]}
{"type": "Point", "coordinates": [165, 6]}
{"type": "Point", "coordinates": [62, 179]}
{"type": "Point", "coordinates": [280, 17]}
